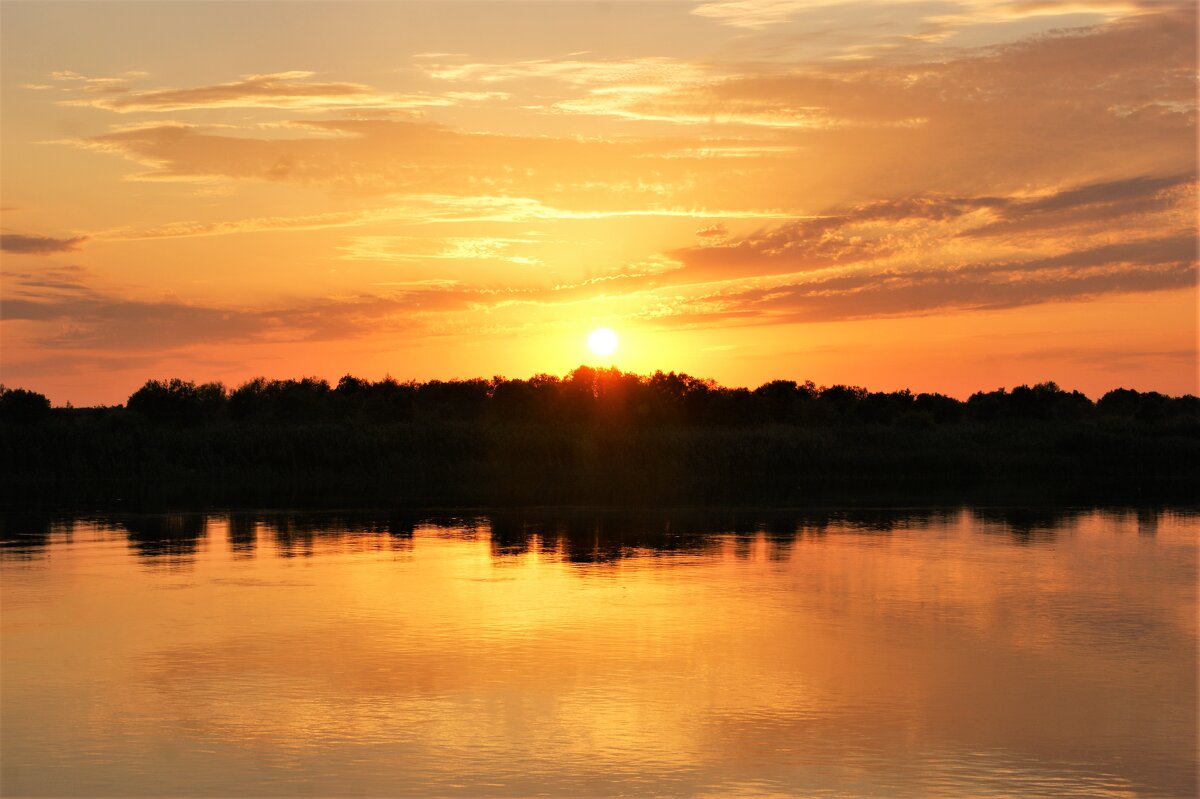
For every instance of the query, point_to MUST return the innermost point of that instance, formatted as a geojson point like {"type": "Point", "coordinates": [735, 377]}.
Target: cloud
{"type": "Point", "coordinates": [756, 14]}
{"type": "Point", "coordinates": [1158, 264]}
{"type": "Point", "coordinates": [948, 230]}
{"type": "Point", "coordinates": [914, 22]}
{"type": "Point", "coordinates": [53, 282]}
{"type": "Point", "coordinates": [409, 159]}
{"type": "Point", "coordinates": [908, 255]}
{"type": "Point", "coordinates": [333, 219]}
{"type": "Point", "coordinates": [453, 248]}
{"type": "Point", "coordinates": [61, 309]}
{"type": "Point", "coordinates": [647, 89]}
{"type": "Point", "coordinates": [415, 210]}
{"type": "Point", "coordinates": [1125, 203]}
{"type": "Point", "coordinates": [698, 106]}
{"type": "Point", "coordinates": [90, 85]}
{"type": "Point", "coordinates": [650, 71]}
{"type": "Point", "coordinates": [1088, 86]}
{"type": "Point", "coordinates": [281, 90]}
{"type": "Point", "coordinates": [1081, 106]}
{"type": "Point", "coordinates": [842, 238]}
{"type": "Point", "coordinates": [113, 323]}
{"type": "Point", "coordinates": [717, 231]}
{"type": "Point", "coordinates": [800, 246]}
{"type": "Point", "coordinates": [38, 245]}
{"type": "Point", "coordinates": [371, 156]}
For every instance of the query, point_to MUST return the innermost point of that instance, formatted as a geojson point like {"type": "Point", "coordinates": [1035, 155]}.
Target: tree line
{"type": "Point", "coordinates": [589, 395]}
{"type": "Point", "coordinates": [593, 437]}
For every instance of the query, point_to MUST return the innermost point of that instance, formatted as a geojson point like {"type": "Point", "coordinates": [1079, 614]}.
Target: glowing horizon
{"type": "Point", "coordinates": [945, 199]}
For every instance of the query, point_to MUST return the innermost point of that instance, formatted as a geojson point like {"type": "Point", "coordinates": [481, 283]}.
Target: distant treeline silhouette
{"type": "Point", "coordinates": [594, 436]}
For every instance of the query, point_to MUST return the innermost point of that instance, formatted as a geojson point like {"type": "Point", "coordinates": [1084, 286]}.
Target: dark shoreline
{"type": "Point", "coordinates": [147, 467]}
{"type": "Point", "coordinates": [596, 438]}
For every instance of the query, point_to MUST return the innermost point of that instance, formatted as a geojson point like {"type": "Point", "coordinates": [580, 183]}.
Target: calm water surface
{"type": "Point", "coordinates": [951, 653]}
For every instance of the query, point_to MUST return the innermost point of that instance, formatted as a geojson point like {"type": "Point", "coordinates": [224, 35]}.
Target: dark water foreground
{"type": "Point", "coordinates": [962, 652]}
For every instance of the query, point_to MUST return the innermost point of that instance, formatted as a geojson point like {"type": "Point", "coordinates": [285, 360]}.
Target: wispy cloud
{"type": "Point", "coordinates": [647, 89]}
{"type": "Point", "coordinates": [914, 233]}
{"type": "Point", "coordinates": [453, 248]}
{"type": "Point", "coordinates": [192, 229]}
{"type": "Point", "coordinates": [52, 282]}
{"type": "Point", "coordinates": [1159, 265]}
{"type": "Point", "coordinates": [21, 244]}
{"type": "Point", "coordinates": [280, 90]}
{"type": "Point", "coordinates": [697, 107]}
{"type": "Point", "coordinates": [966, 93]}
{"type": "Point", "coordinates": [63, 311]}
{"type": "Point", "coordinates": [755, 14]}
{"type": "Point", "coordinates": [89, 84]}
{"type": "Point", "coordinates": [1130, 203]}
{"type": "Point", "coordinates": [1092, 104]}
{"type": "Point", "coordinates": [411, 161]}
{"type": "Point", "coordinates": [919, 22]}
{"type": "Point", "coordinates": [647, 72]}
{"type": "Point", "coordinates": [417, 210]}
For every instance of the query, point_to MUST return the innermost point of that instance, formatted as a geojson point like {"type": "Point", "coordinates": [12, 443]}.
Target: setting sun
{"type": "Point", "coordinates": [602, 341]}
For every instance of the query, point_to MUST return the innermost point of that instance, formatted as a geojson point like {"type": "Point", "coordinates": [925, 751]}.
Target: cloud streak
{"type": "Point", "coordinates": [1157, 265]}
{"type": "Point", "coordinates": [21, 244]}
{"type": "Point", "coordinates": [280, 90]}
{"type": "Point", "coordinates": [928, 227]}
{"type": "Point", "coordinates": [61, 309]}
{"type": "Point", "coordinates": [930, 23]}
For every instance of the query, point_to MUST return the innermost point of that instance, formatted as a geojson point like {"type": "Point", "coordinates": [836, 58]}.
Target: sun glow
{"type": "Point", "coordinates": [602, 341]}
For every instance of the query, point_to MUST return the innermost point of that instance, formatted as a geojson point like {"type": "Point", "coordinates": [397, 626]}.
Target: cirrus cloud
{"type": "Point", "coordinates": [279, 90]}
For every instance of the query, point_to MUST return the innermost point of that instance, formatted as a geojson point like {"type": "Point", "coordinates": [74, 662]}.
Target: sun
{"type": "Point", "coordinates": [602, 341]}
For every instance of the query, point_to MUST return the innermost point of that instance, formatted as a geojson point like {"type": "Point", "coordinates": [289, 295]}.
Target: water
{"type": "Point", "coordinates": [959, 653]}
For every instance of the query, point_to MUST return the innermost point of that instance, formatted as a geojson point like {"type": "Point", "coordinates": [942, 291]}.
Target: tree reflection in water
{"type": "Point", "coordinates": [575, 536]}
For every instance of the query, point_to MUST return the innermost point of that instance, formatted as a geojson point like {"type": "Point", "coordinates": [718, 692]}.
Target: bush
{"type": "Point", "coordinates": [20, 405]}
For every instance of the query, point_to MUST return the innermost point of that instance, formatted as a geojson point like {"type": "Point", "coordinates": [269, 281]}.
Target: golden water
{"type": "Point", "coordinates": [946, 654]}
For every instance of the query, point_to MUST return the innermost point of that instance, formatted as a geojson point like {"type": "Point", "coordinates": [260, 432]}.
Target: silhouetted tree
{"type": "Point", "coordinates": [941, 408]}
{"type": "Point", "coordinates": [178, 401]}
{"type": "Point", "coordinates": [21, 405]}
{"type": "Point", "coordinates": [302, 400]}
{"type": "Point", "coordinates": [781, 400]}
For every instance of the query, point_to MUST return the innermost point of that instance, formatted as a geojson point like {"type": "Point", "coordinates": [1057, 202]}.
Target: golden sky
{"type": "Point", "coordinates": [948, 196]}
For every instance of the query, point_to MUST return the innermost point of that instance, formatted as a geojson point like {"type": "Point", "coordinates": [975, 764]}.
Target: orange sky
{"type": "Point", "coordinates": [948, 196]}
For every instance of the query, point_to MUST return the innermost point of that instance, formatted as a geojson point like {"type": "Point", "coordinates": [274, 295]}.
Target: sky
{"type": "Point", "coordinates": [949, 196]}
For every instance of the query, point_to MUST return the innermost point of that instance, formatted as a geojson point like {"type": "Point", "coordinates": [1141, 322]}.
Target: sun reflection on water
{"type": "Point", "coordinates": [941, 653]}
